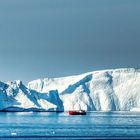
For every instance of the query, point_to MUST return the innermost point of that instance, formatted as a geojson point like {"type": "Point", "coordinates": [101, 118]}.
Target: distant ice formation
{"type": "Point", "coordinates": [106, 90]}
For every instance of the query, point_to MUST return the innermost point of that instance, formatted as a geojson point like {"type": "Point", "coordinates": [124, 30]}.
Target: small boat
{"type": "Point", "coordinates": [78, 112]}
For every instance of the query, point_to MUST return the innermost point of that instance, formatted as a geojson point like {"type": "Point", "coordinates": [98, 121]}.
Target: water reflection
{"type": "Point", "coordinates": [48, 123]}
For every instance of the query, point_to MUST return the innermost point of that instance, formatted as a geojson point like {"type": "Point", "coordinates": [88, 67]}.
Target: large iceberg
{"type": "Point", "coordinates": [105, 90]}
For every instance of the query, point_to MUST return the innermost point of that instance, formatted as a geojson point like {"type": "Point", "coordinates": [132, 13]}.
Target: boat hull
{"type": "Point", "coordinates": [77, 113]}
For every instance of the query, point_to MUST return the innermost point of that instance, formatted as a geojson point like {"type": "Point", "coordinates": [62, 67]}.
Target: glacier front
{"type": "Point", "coordinates": [105, 90]}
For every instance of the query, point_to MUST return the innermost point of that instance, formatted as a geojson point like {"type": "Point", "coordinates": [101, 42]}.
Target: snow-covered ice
{"type": "Point", "coordinates": [105, 90]}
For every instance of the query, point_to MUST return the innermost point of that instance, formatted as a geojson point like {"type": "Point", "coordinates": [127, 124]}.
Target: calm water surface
{"type": "Point", "coordinates": [63, 126]}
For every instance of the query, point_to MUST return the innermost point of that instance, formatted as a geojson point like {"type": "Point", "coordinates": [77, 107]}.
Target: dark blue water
{"type": "Point", "coordinates": [63, 126]}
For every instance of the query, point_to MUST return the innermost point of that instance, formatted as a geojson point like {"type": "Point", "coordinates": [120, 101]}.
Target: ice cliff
{"type": "Point", "coordinates": [106, 90]}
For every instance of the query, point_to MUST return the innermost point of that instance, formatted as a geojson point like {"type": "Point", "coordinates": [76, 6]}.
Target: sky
{"type": "Point", "coordinates": [55, 38]}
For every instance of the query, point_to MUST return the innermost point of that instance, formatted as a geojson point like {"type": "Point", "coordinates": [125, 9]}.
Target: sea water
{"type": "Point", "coordinates": [49, 125]}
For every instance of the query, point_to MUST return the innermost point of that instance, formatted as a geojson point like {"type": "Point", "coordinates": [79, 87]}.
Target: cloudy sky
{"type": "Point", "coordinates": [53, 38]}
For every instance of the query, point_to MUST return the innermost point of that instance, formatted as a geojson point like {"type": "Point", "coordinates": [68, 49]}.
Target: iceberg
{"type": "Point", "coordinates": [105, 90]}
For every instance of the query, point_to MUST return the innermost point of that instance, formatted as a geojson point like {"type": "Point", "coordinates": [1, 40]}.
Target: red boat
{"type": "Point", "coordinates": [80, 112]}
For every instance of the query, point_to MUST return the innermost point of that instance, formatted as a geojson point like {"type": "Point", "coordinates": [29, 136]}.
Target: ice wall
{"type": "Point", "coordinates": [106, 90]}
